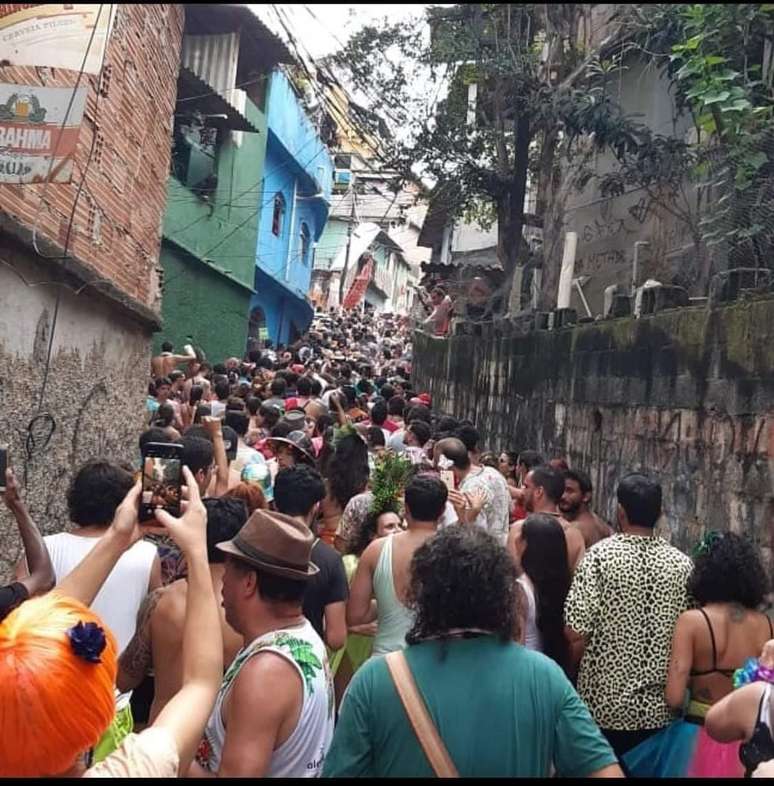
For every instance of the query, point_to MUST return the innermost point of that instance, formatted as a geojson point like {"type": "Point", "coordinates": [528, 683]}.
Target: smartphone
{"type": "Point", "coordinates": [3, 465]}
{"type": "Point", "coordinates": [447, 478]}
{"type": "Point", "coordinates": [162, 479]}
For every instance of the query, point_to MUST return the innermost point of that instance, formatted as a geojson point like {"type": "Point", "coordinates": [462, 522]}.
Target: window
{"type": "Point", "coordinates": [279, 212]}
{"type": "Point", "coordinates": [194, 154]}
{"type": "Point", "coordinates": [256, 327]}
{"type": "Point", "coordinates": [306, 239]}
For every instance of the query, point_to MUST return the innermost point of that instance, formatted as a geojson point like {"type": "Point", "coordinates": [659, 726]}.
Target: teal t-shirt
{"type": "Point", "coordinates": [501, 710]}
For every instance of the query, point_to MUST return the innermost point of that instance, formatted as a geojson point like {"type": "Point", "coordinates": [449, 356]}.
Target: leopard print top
{"type": "Point", "coordinates": [625, 597]}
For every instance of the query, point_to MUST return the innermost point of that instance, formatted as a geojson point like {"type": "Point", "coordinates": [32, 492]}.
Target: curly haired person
{"type": "Point", "coordinates": [474, 679]}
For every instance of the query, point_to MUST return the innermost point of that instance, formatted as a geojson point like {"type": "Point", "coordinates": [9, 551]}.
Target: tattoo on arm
{"type": "Point", "coordinates": [136, 659]}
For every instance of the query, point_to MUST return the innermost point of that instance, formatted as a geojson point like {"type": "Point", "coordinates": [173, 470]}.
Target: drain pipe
{"type": "Point", "coordinates": [639, 244]}
{"type": "Point", "coordinates": [568, 269]}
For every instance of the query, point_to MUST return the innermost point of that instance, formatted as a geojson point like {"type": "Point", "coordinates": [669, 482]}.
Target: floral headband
{"type": "Point", "coordinates": [88, 641]}
{"type": "Point", "coordinates": [707, 543]}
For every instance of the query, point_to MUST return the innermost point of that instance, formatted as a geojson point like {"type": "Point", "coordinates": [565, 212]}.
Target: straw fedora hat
{"type": "Point", "coordinates": [275, 543]}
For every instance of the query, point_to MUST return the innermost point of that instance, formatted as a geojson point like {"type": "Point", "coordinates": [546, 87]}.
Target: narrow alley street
{"type": "Point", "coordinates": [386, 391]}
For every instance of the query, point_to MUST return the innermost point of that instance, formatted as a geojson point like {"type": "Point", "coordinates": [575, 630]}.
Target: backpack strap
{"type": "Point", "coordinates": [420, 719]}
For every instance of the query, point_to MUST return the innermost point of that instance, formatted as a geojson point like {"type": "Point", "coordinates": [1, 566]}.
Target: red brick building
{"type": "Point", "coordinates": [129, 108]}
{"type": "Point", "coordinates": [102, 301]}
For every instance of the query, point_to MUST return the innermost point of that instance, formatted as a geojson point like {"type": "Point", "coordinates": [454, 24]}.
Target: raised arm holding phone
{"type": "Point", "coordinates": [57, 634]}
{"type": "Point", "coordinates": [41, 572]}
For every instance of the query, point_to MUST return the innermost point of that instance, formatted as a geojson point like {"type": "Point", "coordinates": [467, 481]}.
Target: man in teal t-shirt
{"type": "Point", "coordinates": [500, 709]}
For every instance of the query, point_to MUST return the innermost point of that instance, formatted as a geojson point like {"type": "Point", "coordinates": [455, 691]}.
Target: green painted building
{"type": "Point", "coordinates": [214, 190]}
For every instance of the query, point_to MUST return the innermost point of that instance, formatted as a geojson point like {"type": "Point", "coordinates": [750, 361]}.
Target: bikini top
{"type": "Point", "coordinates": [715, 669]}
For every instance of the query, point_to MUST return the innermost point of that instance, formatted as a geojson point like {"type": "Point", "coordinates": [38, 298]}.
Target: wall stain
{"type": "Point", "coordinates": [687, 395]}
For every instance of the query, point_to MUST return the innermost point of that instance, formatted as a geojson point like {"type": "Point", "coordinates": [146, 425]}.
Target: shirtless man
{"type": "Point", "coordinates": [543, 489]}
{"type": "Point", "coordinates": [162, 365]}
{"type": "Point", "coordinates": [574, 506]}
{"type": "Point", "coordinates": [158, 640]}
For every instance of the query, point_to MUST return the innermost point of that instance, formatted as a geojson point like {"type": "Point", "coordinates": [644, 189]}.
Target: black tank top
{"type": "Point", "coordinates": [760, 747]}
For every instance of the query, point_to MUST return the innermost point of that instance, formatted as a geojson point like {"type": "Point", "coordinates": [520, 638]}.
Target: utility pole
{"type": "Point", "coordinates": [349, 245]}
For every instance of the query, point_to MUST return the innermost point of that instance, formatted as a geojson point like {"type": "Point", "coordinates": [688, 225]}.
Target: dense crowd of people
{"type": "Point", "coordinates": [355, 586]}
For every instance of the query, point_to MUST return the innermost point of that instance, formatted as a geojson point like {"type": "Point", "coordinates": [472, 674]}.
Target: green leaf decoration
{"type": "Point", "coordinates": [387, 482]}
{"type": "Point", "coordinates": [302, 653]}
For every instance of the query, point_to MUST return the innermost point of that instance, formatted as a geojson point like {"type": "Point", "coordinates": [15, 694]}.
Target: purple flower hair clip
{"type": "Point", "coordinates": [88, 641]}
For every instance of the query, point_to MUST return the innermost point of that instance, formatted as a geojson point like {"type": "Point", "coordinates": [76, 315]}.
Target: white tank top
{"type": "Point", "coordinates": [118, 602]}
{"type": "Point", "coordinates": [394, 620]}
{"type": "Point", "coordinates": [303, 753]}
{"type": "Point", "coordinates": [533, 640]}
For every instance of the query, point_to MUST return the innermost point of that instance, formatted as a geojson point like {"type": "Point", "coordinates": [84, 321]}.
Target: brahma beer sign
{"type": "Point", "coordinates": [55, 35]}
{"type": "Point", "coordinates": [36, 143]}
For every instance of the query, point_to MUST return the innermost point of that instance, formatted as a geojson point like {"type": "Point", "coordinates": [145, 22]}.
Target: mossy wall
{"type": "Point", "coordinates": [686, 395]}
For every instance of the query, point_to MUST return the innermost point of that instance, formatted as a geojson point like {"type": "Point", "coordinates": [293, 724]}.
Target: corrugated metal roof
{"type": "Point", "coordinates": [213, 58]}
{"type": "Point", "coordinates": [200, 95]}
{"type": "Point", "coordinates": [260, 47]}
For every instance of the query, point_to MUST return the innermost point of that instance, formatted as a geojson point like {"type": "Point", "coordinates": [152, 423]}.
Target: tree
{"type": "Point", "coordinates": [535, 95]}
{"type": "Point", "coordinates": [719, 59]}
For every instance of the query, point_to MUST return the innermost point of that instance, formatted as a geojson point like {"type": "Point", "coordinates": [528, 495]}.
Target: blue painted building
{"type": "Point", "coordinates": [294, 207]}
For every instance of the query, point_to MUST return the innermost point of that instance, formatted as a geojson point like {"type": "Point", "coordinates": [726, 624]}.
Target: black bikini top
{"type": "Point", "coordinates": [715, 669]}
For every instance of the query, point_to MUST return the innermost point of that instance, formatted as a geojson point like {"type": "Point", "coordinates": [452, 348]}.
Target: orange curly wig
{"type": "Point", "coordinates": [53, 704]}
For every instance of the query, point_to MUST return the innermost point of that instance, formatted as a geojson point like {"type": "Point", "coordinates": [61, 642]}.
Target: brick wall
{"type": "Point", "coordinates": [685, 395]}
{"type": "Point", "coordinates": [117, 221]}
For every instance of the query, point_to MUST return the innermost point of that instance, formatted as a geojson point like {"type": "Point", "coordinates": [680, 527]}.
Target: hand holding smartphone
{"type": "Point", "coordinates": [162, 479]}
{"type": "Point", "coordinates": [447, 478]}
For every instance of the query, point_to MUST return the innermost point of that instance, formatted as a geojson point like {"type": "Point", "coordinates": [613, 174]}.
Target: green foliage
{"type": "Point", "coordinates": [522, 101]}
{"type": "Point", "coordinates": [713, 55]}
{"type": "Point", "coordinates": [387, 482]}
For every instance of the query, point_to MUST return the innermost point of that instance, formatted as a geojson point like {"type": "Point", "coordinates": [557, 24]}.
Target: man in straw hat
{"type": "Point", "coordinates": [274, 713]}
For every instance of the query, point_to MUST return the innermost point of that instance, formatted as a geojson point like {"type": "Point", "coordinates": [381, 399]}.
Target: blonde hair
{"type": "Point", "coordinates": [54, 704]}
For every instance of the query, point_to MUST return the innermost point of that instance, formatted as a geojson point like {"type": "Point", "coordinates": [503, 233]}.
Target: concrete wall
{"type": "Point", "coordinates": [224, 229]}
{"type": "Point", "coordinates": [686, 395]}
{"type": "Point", "coordinates": [286, 315]}
{"type": "Point", "coordinates": [95, 395]}
{"type": "Point", "coordinates": [334, 238]}
{"type": "Point", "coordinates": [95, 392]}
{"type": "Point", "coordinates": [283, 173]}
{"type": "Point", "coordinates": [294, 131]}
{"type": "Point", "coordinates": [201, 306]}
{"type": "Point", "coordinates": [208, 255]}
{"type": "Point", "coordinates": [608, 227]}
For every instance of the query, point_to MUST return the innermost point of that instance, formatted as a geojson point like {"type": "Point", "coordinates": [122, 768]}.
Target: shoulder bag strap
{"type": "Point", "coordinates": [423, 726]}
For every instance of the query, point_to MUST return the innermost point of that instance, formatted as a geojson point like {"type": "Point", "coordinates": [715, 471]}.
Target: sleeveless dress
{"type": "Point", "coordinates": [394, 620]}
{"type": "Point", "coordinates": [533, 640]}
{"type": "Point", "coordinates": [684, 749]}
{"type": "Point", "coordinates": [358, 647]}
{"type": "Point", "coordinates": [303, 753]}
